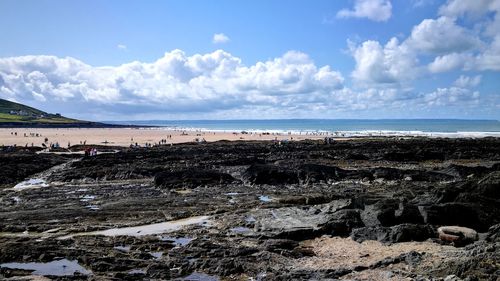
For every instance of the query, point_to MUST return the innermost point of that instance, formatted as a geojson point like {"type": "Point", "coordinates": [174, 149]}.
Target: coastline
{"type": "Point", "coordinates": [126, 136]}
{"type": "Point", "coordinates": [130, 136]}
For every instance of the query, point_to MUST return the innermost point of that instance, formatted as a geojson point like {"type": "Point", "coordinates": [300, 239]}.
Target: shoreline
{"type": "Point", "coordinates": [120, 136]}
{"type": "Point", "coordinates": [126, 137]}
{"type": "Point", "coordinates": [142, 136]}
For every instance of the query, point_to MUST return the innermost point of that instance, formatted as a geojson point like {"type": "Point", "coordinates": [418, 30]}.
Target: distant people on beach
{"type": "Point", "coordinates": [90, 152]}
{"type": "Point", "coordinates": [54, 145]}
{"type": "Point", "coordinates": [329, 140]}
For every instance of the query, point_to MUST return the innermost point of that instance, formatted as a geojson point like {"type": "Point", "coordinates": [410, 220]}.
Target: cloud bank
{"type": "Point", "coordinates": [175, 82]}
{"type": "Point", "coordinates": [219, 85]}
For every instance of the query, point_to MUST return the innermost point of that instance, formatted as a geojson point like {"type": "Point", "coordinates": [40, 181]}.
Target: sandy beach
{"type": "Point", "coordinates": [128, 136]}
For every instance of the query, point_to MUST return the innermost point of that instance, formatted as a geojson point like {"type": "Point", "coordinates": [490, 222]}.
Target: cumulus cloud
{"type": "Point", "coordinates": [441, 36]}
{"type": "Point", "coordinates": [175, 82]}
{"type": "Point", "coordinates": [486, 16]}
{"type": "Point", "coordinates": [448, 42]}
{"type": "Point", "coordinates": [448, 62]}
{"type": "Point", "coordinates": [383, 64]}
{"type": "Point", "coordinates": [458, 8]}
{"type": "Point", "coordinates": [451, 96]}
{"type": "Point", "coordinates": [376, 10]}
{"type": "Point", "coordinates": [467, 81]}
{"type": "Point", "coordinates": [220, 38]}
{"type": "Point", "coordinates": [490, 58]}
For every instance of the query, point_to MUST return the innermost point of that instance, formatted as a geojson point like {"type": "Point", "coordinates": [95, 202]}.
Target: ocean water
{"type": "Point", "coordinates": [448, 127]}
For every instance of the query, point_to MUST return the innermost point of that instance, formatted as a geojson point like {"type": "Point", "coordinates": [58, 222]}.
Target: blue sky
{"type": "Point", "coordinates": [125, 60]}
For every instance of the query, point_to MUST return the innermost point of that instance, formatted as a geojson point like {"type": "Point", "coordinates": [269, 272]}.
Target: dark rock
{"type": "Point", "coordinates": [388, 173]}
{"type": "Point", "coordinates": [309, 199]}
{"type": "Point", "coordinates": [310, 173]}
{"type": "Point", "coordinates": [300, 223]}
{"type": "Point", "coordinates": [407, 213]}
{"type": "Point", "coordinates": [18, 166]}
{"type": "Point", "coordinates": [356, 156]}
{"type": "Point", "coordinates": [493, 234]}
{"type": "Point", "coordinates": [412, 258]}
{"type": "Point", "coordinates": [462, 172]}
{"type": "Point", "coordinates": [381, 213]}
{"type": "Point", "coordinates": [418, 155]}
{"type": "Point", "coordinates": [342, 222]}
{"type": "Point", "coordinates": [415, 175]}
{"type": "Point", "coordinates": [400, 156]}
{"type": "Point", "coordinates": [489, 186]}
{"type": "Point", "coordinates": [273, 245]}
{"type": "Point", "coordinates": [394, 234]}
{"type": "Point", "coordinates": [462, 214]}
{"type": "Point", "coordinates": [191, 178]}
{"type": "Point", "coordinates": [270, 174]}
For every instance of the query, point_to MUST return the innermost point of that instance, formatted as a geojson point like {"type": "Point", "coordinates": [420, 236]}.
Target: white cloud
{"type": "Point", "coordinates": [467, 81]}
{"type": "Point", "coordinates": [121, 46]}
{"type": "Point", "coordinates": [421, 3]}
{"type": "Point", "coordinates": [451, 96]}
{"type": "Point", "coordinates": [220, 38]}
{"type": "Point", "coordinates": [391, 63]}
{"type": "Point", "coordinates": [449, 45]}
{"type": "Point", "coordinates": [175, 82]}
{"type": "Point", "coordinates": [490, 58]}
{"type": "Point", "coordinates": [486, 17]}
{"type": "Point", "coordinates": [219, 85]}
{"type": "Point", "coordinates": [475, 8]}
{"type": "Point", "coordinates": [441, 36]}
{"type": "Point", "coordinates": [376, 10]}
{"type": "Point", "coordinates": [449, 62]}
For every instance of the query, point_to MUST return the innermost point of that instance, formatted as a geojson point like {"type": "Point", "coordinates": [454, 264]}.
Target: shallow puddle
{"type": "Point", "coordinates": [31, 183]}
{"type": "Point", "coordinates": [149, 229]}
{"type": "Point", "coordinates": [92, 207]}
{"type": "Point", "coordinates": [124, 249]}
{"type": "Point", "coordinates": [232, 193]}
{"type": "Point", "coordinates": [137, 271]}
{"type": "Point", "coordinates": [62, 267]}
{"type": "Point", "coordinates": [156, 255]}
{"type": "Point", "coordinates": [250, 219]}
{"type": "Point", "coordinates": [265, 198]}
{"type": "Point", "coordinates": [240, 229]}
{"type": "Point", "coordinates": [196, 276]}
{"type": "Point", "coordinates": [87, 198]}
{"type": "Point", "coordinates": [177, 241]}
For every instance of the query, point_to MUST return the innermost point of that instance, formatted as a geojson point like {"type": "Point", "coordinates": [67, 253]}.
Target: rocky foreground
{"type": "Point", "coordinates": [350, 210]}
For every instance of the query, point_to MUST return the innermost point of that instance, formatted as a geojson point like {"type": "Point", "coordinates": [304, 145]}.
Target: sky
{"type": "Point", "coordinates": [260, 59]}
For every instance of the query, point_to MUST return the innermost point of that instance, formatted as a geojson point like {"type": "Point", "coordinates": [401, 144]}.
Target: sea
{"type": "Point", "coordinates": [336, 127]}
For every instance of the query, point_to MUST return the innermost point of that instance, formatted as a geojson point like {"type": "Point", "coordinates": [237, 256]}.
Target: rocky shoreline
{"type": "Point", "coordinates": [364, 209]}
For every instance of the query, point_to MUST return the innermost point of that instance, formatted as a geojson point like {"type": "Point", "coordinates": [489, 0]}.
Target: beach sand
{"type": "Point", "coordinates": [127, 136]}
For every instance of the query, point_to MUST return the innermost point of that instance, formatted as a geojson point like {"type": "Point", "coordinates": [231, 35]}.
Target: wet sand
{"type": "Point", "coordinates": [128, 136]}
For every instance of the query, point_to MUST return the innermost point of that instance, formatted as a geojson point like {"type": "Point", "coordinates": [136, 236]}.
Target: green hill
{"type": "Point", "coordinates": [16, 112]}
{"type": "Point", "coordinates": [18, 115]}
